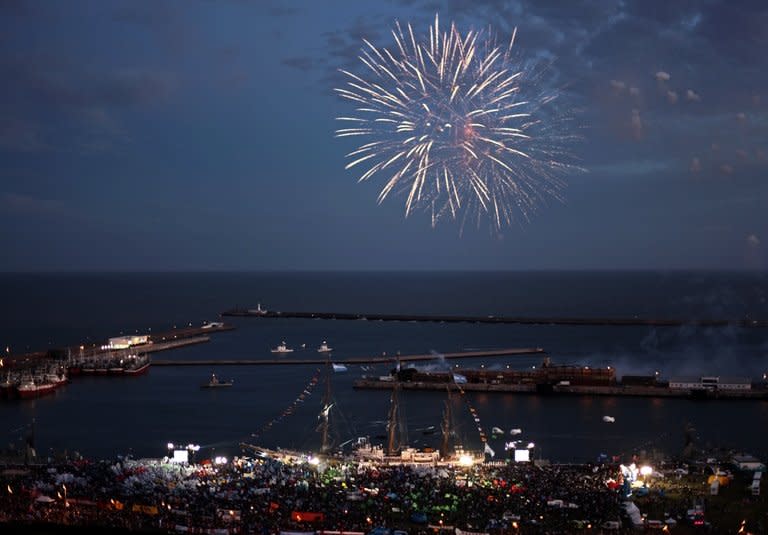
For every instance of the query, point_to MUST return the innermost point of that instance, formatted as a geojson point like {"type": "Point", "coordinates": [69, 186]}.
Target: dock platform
{"type": "Point", "coordinates": [616, 390]}
{"type": "Point", "coordinates": [287, 361]}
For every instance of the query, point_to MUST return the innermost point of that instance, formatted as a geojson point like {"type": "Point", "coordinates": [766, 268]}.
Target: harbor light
{"type": "Point", "coordinates": [531, 445]}
{"type": "Point", "coordinates": [170, 445]}
{"type": "Point", "coordinates": [466, 460]}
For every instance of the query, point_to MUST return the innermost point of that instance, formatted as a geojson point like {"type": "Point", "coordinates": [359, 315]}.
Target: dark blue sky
{"type": "Point", "coordinates": [198, 134]}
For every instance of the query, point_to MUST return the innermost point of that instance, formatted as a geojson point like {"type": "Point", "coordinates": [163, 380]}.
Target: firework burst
{"type": "Point", "coordinates": [457, 126]}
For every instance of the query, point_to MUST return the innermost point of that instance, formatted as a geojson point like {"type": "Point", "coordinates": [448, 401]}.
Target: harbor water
{"type": "Point", "coordinates": [106, 416]}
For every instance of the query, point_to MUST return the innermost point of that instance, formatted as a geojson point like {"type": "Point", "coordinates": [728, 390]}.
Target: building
{"type": "Point", "coordinates": [710, 383]}
{"type": "Point", "coordinates": [747, 462]}
{"type": "Point", "coordinates": [124, 342]}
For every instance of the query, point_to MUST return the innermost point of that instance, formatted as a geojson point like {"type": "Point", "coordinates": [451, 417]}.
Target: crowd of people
{"type": "Point", "coordinates": [266, 495]}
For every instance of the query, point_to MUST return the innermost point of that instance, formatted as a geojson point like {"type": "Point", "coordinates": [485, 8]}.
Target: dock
{"type": "Point", "coordinates": [162, 341]}
{"type": "Point", "coordinates": [617, 390]}
{"type": "Point", "coordinates": [502, 320]}
{"type": "Point", "coordinates": [287, 361]}
{"type": "Point", "coordinates": [173, 344]}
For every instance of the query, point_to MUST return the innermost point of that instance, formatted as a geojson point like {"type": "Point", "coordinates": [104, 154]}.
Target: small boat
{"type": "Point", "coordinates": [215, 382]}
{"type": "Point", "coordinates": [324, 348]}
{"type": "Point", "coordinates": [339, 368]}
{"type": "Point", "coordinates": [282, 348]}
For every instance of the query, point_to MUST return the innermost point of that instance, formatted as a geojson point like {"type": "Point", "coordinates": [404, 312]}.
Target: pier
{"type": "Point", "coordinates": [617, 390]}
{"type": "Point", "coordinates": [162, 341]}
{"type": "Point", "coordinates": [490, 319]}
{"type": "Point", "coordinates": [287, 361]}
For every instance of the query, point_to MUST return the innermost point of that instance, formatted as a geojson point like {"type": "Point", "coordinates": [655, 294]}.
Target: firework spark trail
{"type": "Point", "coordinates": [457, 126]}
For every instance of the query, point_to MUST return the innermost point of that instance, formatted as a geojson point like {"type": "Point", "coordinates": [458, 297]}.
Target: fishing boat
{"type": "Point", "coordinates": [282, 348]}
{"type": "Point", "coordinates": [34, 387]}
{"type": "Point", "coordinates": [324, 348]}
{"type": "Point", "coordinates": [137, 365]}
{"type": "Point", "coordinates": [215, 382]}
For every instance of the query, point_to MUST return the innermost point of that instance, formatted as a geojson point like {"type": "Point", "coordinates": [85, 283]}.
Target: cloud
{"type": "Point", "coordinates": [672, 97]}
{"type": "Point", "coordinates": [663, 76]}
{"type": "Point", "coordinates": [726, 169]}
{"type": "Point", "coordinates": [618, 85]}
{"type": "Point", "coordinates": [753, 240]}
{"type": "Point", "coordinates": [692, 96]}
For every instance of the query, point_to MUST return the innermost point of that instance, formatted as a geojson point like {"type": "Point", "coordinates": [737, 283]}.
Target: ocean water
{"type": "Point", "coordinates": [104, 416]}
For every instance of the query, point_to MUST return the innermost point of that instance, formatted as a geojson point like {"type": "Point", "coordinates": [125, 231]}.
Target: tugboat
{"type": "Point", "coordinates": [324, 348]}
{"type": "Point", "coordinates": [282, 348]}
{"type": "Point", "coordinates": [215, 382]}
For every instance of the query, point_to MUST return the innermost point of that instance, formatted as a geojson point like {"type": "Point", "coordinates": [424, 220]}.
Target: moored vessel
{"type": "Point", "coordinates": [282, 348]}
{"type": "Point", "coordinates": [30, 387]}
{"type": "Point", "coordinates": [215, 382]}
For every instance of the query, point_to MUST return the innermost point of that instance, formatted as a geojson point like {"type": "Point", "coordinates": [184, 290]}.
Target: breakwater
{"type": "Point", "coordinates": [569, 390]}
{"type": "Point", "coordinates": [288, 361]}
{"type": "Point", "coordinates": [491, 319]}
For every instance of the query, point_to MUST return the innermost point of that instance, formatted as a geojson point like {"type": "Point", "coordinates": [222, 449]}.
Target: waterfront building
{"type": "Point", "coordinates": [710, 383]}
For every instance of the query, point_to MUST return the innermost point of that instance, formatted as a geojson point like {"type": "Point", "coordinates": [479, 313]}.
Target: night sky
{"type": "Point", "coordinates": [198, 135]}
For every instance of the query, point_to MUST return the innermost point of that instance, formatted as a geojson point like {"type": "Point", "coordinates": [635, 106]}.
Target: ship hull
{"type": "Point", "coordinates": [36, 392]}
{"type": "Point", "coordinates": [138, 371]}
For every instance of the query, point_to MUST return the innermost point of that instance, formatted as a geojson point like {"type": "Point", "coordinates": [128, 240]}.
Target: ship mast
{"type": "Point", "coordinates": [393, 443]}
{"type": "Point", "coordinates": [325, 444]}
{"type": "Point", "coordinates": [446, 427]}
